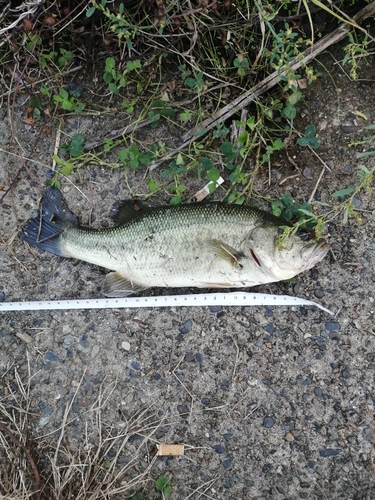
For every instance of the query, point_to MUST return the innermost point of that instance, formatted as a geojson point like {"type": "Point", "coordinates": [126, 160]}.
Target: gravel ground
{"type": "Point", "coordinates": [269, 402]}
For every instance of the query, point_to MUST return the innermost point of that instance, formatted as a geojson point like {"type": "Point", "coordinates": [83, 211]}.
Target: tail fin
{"type": "Point", "coordinates": [54, 217]}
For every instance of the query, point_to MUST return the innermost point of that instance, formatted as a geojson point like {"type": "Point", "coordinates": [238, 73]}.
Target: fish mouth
{"type": "Point", "coordinates": [314, 253]}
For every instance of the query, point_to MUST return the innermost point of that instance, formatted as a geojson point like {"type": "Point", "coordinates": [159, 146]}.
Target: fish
{"type": "Point", "coordinates": [204, 245]}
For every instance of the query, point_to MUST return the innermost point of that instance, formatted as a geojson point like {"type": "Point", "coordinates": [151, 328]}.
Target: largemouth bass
{"type": "Point", "coordinates": [201, 245]}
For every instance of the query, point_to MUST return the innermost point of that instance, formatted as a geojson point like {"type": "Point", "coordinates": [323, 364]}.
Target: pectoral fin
{"type": "Point", "coordinates": [117, 285]}
{"type": "Point", "coordinates": [227, 252]}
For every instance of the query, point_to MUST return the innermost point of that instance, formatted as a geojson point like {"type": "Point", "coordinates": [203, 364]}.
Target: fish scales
{"type": "Point", "coordinates": [202, 245]}
{"type": "Point", "coordinates": [164, 246]}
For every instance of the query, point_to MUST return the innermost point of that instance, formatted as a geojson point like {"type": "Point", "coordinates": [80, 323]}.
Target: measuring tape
{"type": "Point", "coordinates": [209, 299]}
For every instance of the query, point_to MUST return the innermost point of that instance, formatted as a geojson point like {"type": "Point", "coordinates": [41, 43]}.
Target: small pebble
{"type": "Point", "coordinates": [289, 437]}
{"type": "Point", "coordinates": [318, 407]}
{"type": "Point", "coordinates": [43, 421]}
{"type": "Point", "coordinates": [270, 328]}
{"type": "Point", "coordinates": [95, 351]}
{"type": "Point", "coordinates": [186, 327]}
{"type": "Point", "coordinates": [135, 365]}
{"type": "Point", "coordinates": [224, 384]}
{"type": "Point", "coordinates": [347, 128]}
{"type": "Point", "coordinates": [345, 372]}
{"type": "Point", "coordinates": [318, 392]}
{"type": "Point", "coordinates": [319, 293]}
{"type": "Point", "coordinates": [333, 335]}
{"type": "Point", "coordinates": [2, 297]}
{"type": "Point", "coordinates": [125, 345]}
{"type": "Point", "coordinates": [182, 409]}
{"type": "Point", "coordinates": [332, 326]}
{"type": "Point", "coordinates": [219, 448]}
{"type": "Point", "coordinates": [330, 452]}
{"type": "Point", "coordinates": [356, 202]}
{"type": "Point", "coordinates": [227, 463]}
{"type": "Point", "coordinates": [268, 422]}
{"type": "Point", "coordinates": [189, 357]}
{"type": "Point", "coordinates": [198, 357]}
{"type": "Point", "coordinates": [50, 356]}
{"type": "Point", "coordinates": [293, 316]}
{"type": "Point", "coordinates": [214, 309]}
{"type": "Point", "coordinates": [50, 174]}
{"type": "Point", "coordinates": [307, 173]}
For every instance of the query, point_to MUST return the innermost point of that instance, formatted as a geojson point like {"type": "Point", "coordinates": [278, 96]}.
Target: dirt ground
{"type": "Point", "coordinates": [269, 402]}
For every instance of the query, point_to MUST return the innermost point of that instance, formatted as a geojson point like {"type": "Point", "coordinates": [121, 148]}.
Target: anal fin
{"type": "Point", "coordinates": [117, 285]}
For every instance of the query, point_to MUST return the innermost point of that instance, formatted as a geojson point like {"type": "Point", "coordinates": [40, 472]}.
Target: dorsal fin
{"type": "Point", "coordinates": [123, 211]}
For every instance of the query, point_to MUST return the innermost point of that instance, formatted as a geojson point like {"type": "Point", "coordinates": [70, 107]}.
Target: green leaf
{"type": "Point", "coordinates": [162, 483]}
{"type": "Point", "coordinates": [276, 207]}
{"type": "Point", "coordinates": [123, 155]}
{"type": "Point", "coordinates": [107, 77]}
{"type": "Point", "coordinates": [201, 131]}
{"type": "Point", "coordinates": [205, 162]}
{"type": "Point", "coordinates": [213, 174]}
{"type": "Point", "coordinates": [367, 153]}
{"type": "Point", "coordinates": [190, 82]}
{"type": "Point", "coordinates": [287, 214]}
{"type": "Point", "coordinates": [152, 185]}
{"type": "Point", "coordinates": [164, 173]}
{"type": "Point", "coordinates": [109, 63]}
{"type": "Point", "coordinates": [287, 200]}
{"type": "Point", "coordinates": [67, 105]}
{"type": "Point", "coordinates": [130, 65]}
{"type": "Point", "coordinates": [346, 216]}
{"type": "Point", "coordinates": [167, 112]}
{"type": "Point", "coordinates": [80, 107]}
{"type": "Point", "coordinates": [314, 142]}
{"type": "Point", "coordinates": [295, 97]}
{"type": "Point", "coordinates": [289, 112]}
{"type": "Point", "coordinates": [306, 212]}
{"type": "Point", "coordinates": [251, 123]}
{"type": "Point", "coordinates": [277, 144]}
{"type": "Point", "coordinates": [113, 88]}
{"type": "Point", "coordinates": [310, 131]}
{"type": "Point", "coordinates": [180, 159]}
{"type": "Point", "coordinates": [134, 163]}
{"type": "Point", "coordinates": [226, 148]}
{"type": "Point", "coordinates": [176, 200]}
{"type": "Point", "coordinates": [138, 495]}
{"type": "Point", "coordinates": [242, 139]}
{"type": "Point", "coordinates": [76, 145]}
{"type": "Point", "coordinates": [67, 168]}
{"type": "Point", "coordinates": [303, 141]}
{"type": "Point", "coordinates": [146, 158]}
{"type": "Point", "coordinates": [343, 192]}
{"type": "Point", "coordinates": [235, 174]}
